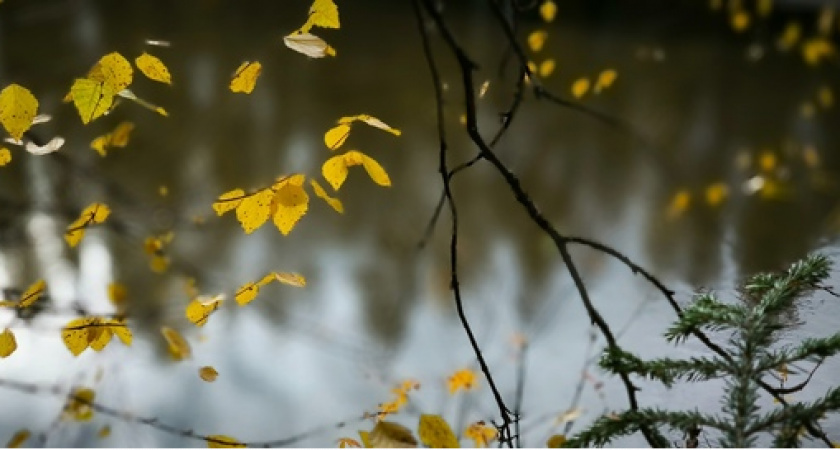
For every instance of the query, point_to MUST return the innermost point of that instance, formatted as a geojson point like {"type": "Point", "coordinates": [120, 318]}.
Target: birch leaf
{"type": "Point", "coordinates": [32, 293]}
{"type": "Point", "coordinates": [94, 214]}
{"type": "Point", "coordinates": [91, 99]}
{"type": "Point", "coordinates": [391, 435]}
{"type": "Point", "coordinates": [335, 137]}
{"type": "Point", "coordinates": [537, 39]}
{"type": "Point", "coordinates": [245, 77]}
{"type": "Point", "coordinates": [434, 432]}
{"type": "Point", "coordinates": [228, 201]}
{"type": "Point", "coordinates": [153, 68]}
{"type": "Point", "coordinates": [308, 44]}
{"type": "Point", "coordinates": [8, 344]}
{"type": "Point", "coordinates": [290, 278]}
{"type": "Point", "coordinates": [18, 108]}
{"type": "Point", "coordinates": [254, 210]}
{"type": "Point", "coordinates": [290, 203]}
{"type": "Point", "coordinates": [199, 311]}
{"type": "Point", "coordinates": [548, 10]}
{"type": "Point", "coordinates": [322, 194]}
{"type": "Point", "coordinates": [179, 348]}
{"type": "Point", "coordinates": [246, 293]}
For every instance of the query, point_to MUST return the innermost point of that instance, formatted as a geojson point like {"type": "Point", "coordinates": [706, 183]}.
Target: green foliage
{"type": "Point", "coordinates": [751, 353]}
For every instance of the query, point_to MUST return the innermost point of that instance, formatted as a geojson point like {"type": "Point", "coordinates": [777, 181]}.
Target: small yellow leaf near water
{"type": "Point", "coordinates": [716, 193]}
{"type": "Point", "coordinates": [556, 441]}
{"type": "Point", "coordinates": [348, 443]}
{"type": "Point", "coordinates": [481, 433]}
{"type": "Point", "coordinates": [228, 201]}
{"type": "Point", "coordinates": [153, 68]}
{"type": "Point", "coordinates": [32, 293]}
{"type": "Point", "coordinates": [179, 348]}
{"type": "Point", "coordinates": [817, 49]}
{"type": "Point", "coordinates": [79, 405]}
{"type": "Point", "coordinates": [208, 374]}
{"type": "Point", "coordinates": [18, 108]}
{"type": "Point", "coordinates": [199, 309]}
{"type": "Point", "coordinates": [254, 210]}
{"type": "Point", "coordinates": [104, 432]}
{"type": "Point", "coordinates": [790, 36]}
{"type": "Point", "coordinates": [308, 44]}
{"type": "Point", "coordinates": [290, 278]}
{"type": "Point", "coordinates": [246, 293]}
{"type": "Point", "coordinates": [222, 441]}
{"type": "Point", "coordinates": [322, 194]}
{"type": "Point", "coordinates": [335, 137]}
{"type": "Point", "coordinates": [391, 435]}
{"type": "Point", "coordinates": [580, 87]}
{"type": "Point", "coordinates": [740, 21]}
{"type": "Point", "coordinates": [605, 80]}
{"type": "Point", "coordinates": [245, 77]}
{"type": "Point", "coordinates": [290, 202]}
{"type": "Point", "coordinates": [463, 379]}
{"type": "Point", "coordinates": [547, 67]}
{"type": "Point", "coordinates": [18, 439]}
{"type": "Point", "coordinates": [322, 13]}
{"type": "Point", "coordinates": [94, 214]}
{"type": "Point", "coordinates": [5, 156]}
{"type": "Point", "coordinates": [434, 432]}
{"type": "Point", "coordinates": [679, 204]}
{"type": "Point", "coordinates": [8, 343]}
{"type": "Point", "coordinates": [537, 39]}
{"type": "Point", "coordinates": [548, 10]}
{"type": "Point", "coordinates": [825, 97]}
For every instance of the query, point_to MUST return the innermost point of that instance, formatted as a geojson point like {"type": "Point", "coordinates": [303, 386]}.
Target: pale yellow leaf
{"type": "Point", "coordinates": [369, 120]}
{"type": "Point", "coordinates": [308, 44]}
{"type": "Point", "coordinates": [321, 193]}
{"type": "Point", "coordinates": [179, 348]}
{"type": "Point", "coordinates": [335, 137]}
{"type": "Point", "coordinates": [290, 278]}
{"type": "Point", "coordinates": [245, 77]}
{"type": "Point", "coordinates": [114, 71]}
{"type": "Point", "coordinates": [208, 374]}
{"type": "Point", "coordinates": [18, 108]}
{"type": "Point", "coordinates": [8, 343]}
{"type": "Point", "coordinates": [481, 434]}
{"type": "Point", "coordinates": [228, 201]}
{"type": "Point", "coordinates": [556, 441]}
{"type": "Point", "coordinates": [153, 68]}
{"type": "Point", "coordinates": [32, 293]}
{"type": "Point", "coordinates": [434, 432]}
{"type": "Point", "coordinates": [817, 49]}
{"type": "Point", "coordinates": [119, 328]}
{"type": "Point", "coordinates": [790, 36]}
{"type": "Point", "coordinates": [79, 405]}
{"type": "Point", "coordinates": [375, 171]}
{"type": "Point", "coordinates": [94, 214]}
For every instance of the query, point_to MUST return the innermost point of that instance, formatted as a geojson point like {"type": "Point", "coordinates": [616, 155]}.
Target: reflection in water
{"type": "Point", "coordinates": [377, 310]}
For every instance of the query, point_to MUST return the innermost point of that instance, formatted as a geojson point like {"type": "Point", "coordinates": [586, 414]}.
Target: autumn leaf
{"type": "Point", "coordinates": [290, 278]}
{"type": "Point", "coordinates": [556, 441]}
{"type": "Point", "coordinates": [113, 71]}
{"type": "Point", "coordinates": [200, 308]}
{"type": "Point", "coordinates": [817, 49]}
{"type": "Point", "coordinates": [78, 406]}
{"type": "Point", "coordinates": [537, 39]}
{"type": "Point", "coordinates": [580, 87]}
{"type": "Point", "coordinates": [334, 169]}
{"type": "Point", "coordinates": [117, 138]}
{"type": "Point", "coordinates": [716, 193]}
{"type": "Point", "coordinates": [8, 343]}
{"type": "Point", "coordinates": [547, 68]}
{"type": "Point", "coordinates": [308, 44]}
{"type": "Point", "coordinates": [790, 36]}
{"type": "Point", "coordinates": [605, 80]}
{"type": "Point", "coordinates": [246, 293]}
{"type": "Point", "coordinates": [118, 295]}
{"type": "Point", "coordinates": [104, 432]}
{"type": "Point", "coordinates": [463, 379]}
{"type": "Point", "coordinates": [348, 443]}
{"type": "Point", "coordinates": [548, 10]}
{"type": "Point", "coordinates": [208, 374]}
{"type": "Point", "coordinates": [245, 77]}
{"type": "Point", "coordinates": [255, 209]}
{"type": "Point", "coordinates": [222, 441]}
{"type": "Point", "coordinates": [91, 99]}
{"type": "Point", "coordinates": [5, 156]}
{"type": "Point", "coordinates": [179, 348]}
{"type": "Point", "coordinates": [18, 108]}
{"type": "Point", "coordinates": [335, 137]}
{"type": "Point", "coordinates": [434, 432]}
{"type": "Point", "coordinates": [94, 214]}
{"type": "Point", "coordinates": [290, 202]}
{"type": "Point", "coordinates": [153, 68]}
{"type": "Point", "coordinates": [365, 437]}
{"type": "Point", "coordinates": [228, 201]}
{"type": "Point", "coordinates": [480, 433]}
{"type": "Point", "coordinates": [740, 21]}
{"type": "Point", "coordinates": [391, 434]}
{"type": "Point", "coordinates": [322, 194]}
{"type": "Point", "coordinates": [371, 121]}
{"type": "Point", "coordinates": [322, 13]}
{"type": "Point", "coordinates": [18, 439]}
{"type": "Point", "coordinates": [679, 204]}
{"type": "Point", "coordinates": [32, 294]}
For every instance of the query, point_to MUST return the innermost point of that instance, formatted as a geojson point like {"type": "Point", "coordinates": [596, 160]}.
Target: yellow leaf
{"type": "Point", "coordinates": [365, 437]}
{"type": "Point", "coordinates": [198, 311]}
{"type": "Point", "coordinates": [370, 120]}
{"type": "Point", "coordinates": [222, 441]}
{"type": "Point", "coordinates": [91, 99]}
{"type": "Point", "coordinates": [117, 138]}
{"type": "Point", "coordinates": [348, 443]}
{"type": "Point", "coordinates": [245, 77]}
{"type": "Point", "coordinates": [8, 344]}
{"type": "Point", "coordinates": [120, 330]}
{"type": "Point", "coordinates": [605, 80]}
{"type": "Point", "coordinates": [322, 13]}
{"type": "Point", "coordinates": [18, 439]}
{"type": "Point", "coordinates": [114, 71]}
{"type": "Point", "coordinates": [228, 201]}
{"type": "Point", "coordinates": [208, 374]}
{"type": "Point", "coordinates": [375, 171]}
{"type": "Point", "coordinates": [537, 39]}
{"type": "Point", "coordinates": [580, 87]}
{"type": "Point", "coordinates": [79, 405]}
{"type": "Point", "coordinates": [391, 435]}
{"type": "Point", "coordinates": [556, 441]}
{"type": "Point", "coordinates": [94, 214]}
{"type": "Point", "coordinates": [790, 36]}
{"type": "Point", "coordinates": [32, 293]}
{"type": "Point", "coordinates": [740, 20]}
{"type": "Point", "coordinates": [434, 432]}
{"type": "Point", "coordinates": [290, 203]}
{"type": "Point", "coordinates": [679, 204]}
{"type": "Point", "coordinates": [98, 335]}
{"type": "Point", "coordinates": [767, 161]}
{"type": "Point", "coordinates": [548, 10]}
{"type": "Point", "coordinates": [321, 193]}
{"type": "Point", "coordinates": [153, 68]}
{"type": "Point", "coordinates": [118, 295]}
{"type": "Point", "coordinates": [5, 156]}
{"type": "Point", "coordinates": [816, 50]}
{"type": "Point", "coordinates": [290, 278]}
{"type": "Point", "coordinates": [104, 432]}
{"type": "Point", "coordinates": [18, 108]}
{"type": "Point", "coordinates": [334, 171]}
{"type": "Point", "coordinates": [179, 348]}
{"type": "Point", "coordinates": [254, 210]}
{"type": "Point", "coordinates": [463, 379]}
{"type": "Point", "coordinates": [308, 44]}
{"type": "Point", "coordinates": [716, 193]}
{"type": "Point", "coordinates": [547, 67]}
{"type": "Point", "coordinates": [480, 433]}
{"type": "Point", "coordinates": [75, 335]}
{"type": "Point", "coordinates": [246, 293]}
{"type": "Point", "coordinates": [335, 137]}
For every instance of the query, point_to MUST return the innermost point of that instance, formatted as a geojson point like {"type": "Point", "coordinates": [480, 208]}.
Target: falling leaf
{"type": "Point", "coordinates": [290, 278]}
{"type": "Point", "coordinates": [537, 39]}
{"type": "Point", "coordinates": [290, 202]}
{"type": "Point", "coordinates": [463, 379]}
{"type": "Point", "coordinates": [547, 68]}
{"type": "Point", "coordinates": [716, 193]}
{"type": "Point", "coordinates": [179, 348]}
{"type": "Point", "coordinates": [740, 21]}
{"type": "Point", "coordinates": [117, 138]}
{"type": "Point", "coordinates": [790, 36]}
{"type": "Point", "coordinates": [200, 308]}
{"type": "Point", "coordinates": [254, 210]}
{"type": "Point", "coordinates": [18, 108]}
{"type": "Point", "coordinates": [18, 439]}
{"type": "Point", "coordinates": [75, 335]}
{"type": "Point", "coordinates": [365, 437]}
{"type": "Point", "coordinates": [114, 71]}
{"type": "Point", "coordinates": [548, 10]}
{"type": "Point", "coordinates": [222, 441]}
{"type": "Point", "coordinates": [370, 120]}
{"type": "Point", "coordinates": [91, 99]}
{"type": "Point", "coordinates": [208, 374]}
{"type": "Point", "coordinates": [322, 13]}
{"type": "Point", "coordinates": [104, 432]}
{"type": "Point", "coordinates": [321, 193]}
{"type": "Point", "coordinates": [245, 77]}
{"type": "Point", "coordinates": [308, 44]}
{"type": "Point", "coordinates": [246, 293]}
{"type": "Point", "coordinates": [580, 87]}
{"type": "Point", "coordinates": [556, 441]}
{"type": "Point", "coordinates": [53, 145]}
{"type": "Point", "coordinates": [5, 156]}
{"type": "Point", "coordinates": [817, 49]}
{"type": "Point", "coordinates": [94, 214]}
{"type": "Point", "coordinates": [78, 406]}
{"type": "Point", "coordinates": [679, 204]}
{"type": "Point", "coordinates": [484, 87]}
{"type": "Point", "coordinates": [348, 443]}
{"type": "Point", "coordinates": [153, 68]}
{"type": "Point", "coordinates": [605, 80]}
{"type": "Point", "coordinates": [8, 343]}
{"type": "Point", "coordinates": [32, 293]}
{"type": "Point", "coordinates": [434, 432]}
{"type": "Point", "coordinates": [481, 433]}
{"type": "Point", "coordinates": [334, 169]}
{"type": "Point", "coordinates": [228, 201]}
{"type": "Point", "coordinates": [335, 137]}
{"type": "Point", "coordinates": [392, 435]}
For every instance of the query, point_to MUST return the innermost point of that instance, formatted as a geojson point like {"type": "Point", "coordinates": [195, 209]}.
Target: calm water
{"type": "Point", "coordinates": [710, 105]}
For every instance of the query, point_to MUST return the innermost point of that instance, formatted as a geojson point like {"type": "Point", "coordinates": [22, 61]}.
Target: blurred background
{"type": "Point", "coordinates": [725, 164]}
